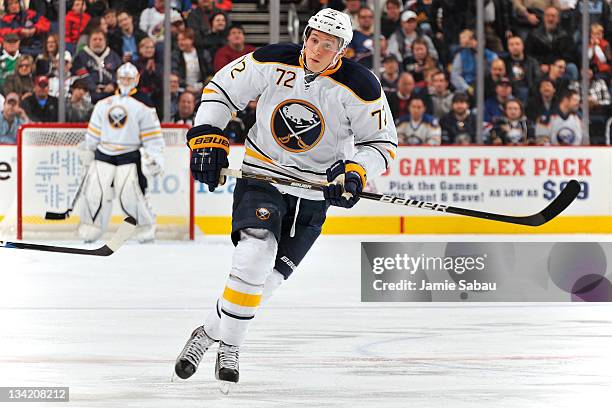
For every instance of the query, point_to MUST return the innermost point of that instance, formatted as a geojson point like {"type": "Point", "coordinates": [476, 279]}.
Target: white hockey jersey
{"type": "Point", "coordinates": [302, 129]}
{"type": "Point", "coordinates": [561, 129]}
{"type": "Point", "coordinates": [123, 124]}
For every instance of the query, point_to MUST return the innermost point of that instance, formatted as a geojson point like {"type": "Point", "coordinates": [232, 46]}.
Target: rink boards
{"type": "Point", "coordinates": [512, 180]}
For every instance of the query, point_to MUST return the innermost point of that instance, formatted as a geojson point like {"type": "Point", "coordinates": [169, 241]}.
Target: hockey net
{"type": "Point", "coordinates": [49, 173]}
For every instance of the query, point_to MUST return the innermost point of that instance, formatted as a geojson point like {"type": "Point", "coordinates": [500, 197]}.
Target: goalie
{"type": "Point", "coordinates": [120, 127]}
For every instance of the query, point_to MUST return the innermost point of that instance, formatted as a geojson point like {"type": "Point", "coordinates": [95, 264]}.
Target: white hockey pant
{"type": "Point", "coordinates": [105, 180]}
{"type": "Point", "coordinates": [252, 280]}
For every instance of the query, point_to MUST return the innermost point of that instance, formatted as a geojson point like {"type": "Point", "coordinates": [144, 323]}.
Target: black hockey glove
{"type": "Point", "coordinates": [209, 150]}
{"type": "Point", "coordinates": [346, 179]}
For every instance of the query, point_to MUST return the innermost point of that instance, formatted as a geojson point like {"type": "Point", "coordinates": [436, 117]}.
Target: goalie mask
{"type": "Point", "coordinates": [127, 78]}
{"type": "Point", "coordinates": [334, 23]}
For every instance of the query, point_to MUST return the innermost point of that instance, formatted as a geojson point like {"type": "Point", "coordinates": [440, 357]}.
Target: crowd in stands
{"type": "Point", "coordinates": [428, 53]}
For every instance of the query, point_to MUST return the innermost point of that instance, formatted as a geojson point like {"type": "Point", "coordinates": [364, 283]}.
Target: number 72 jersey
{"type": "Point", "coordinates": [303, 127]}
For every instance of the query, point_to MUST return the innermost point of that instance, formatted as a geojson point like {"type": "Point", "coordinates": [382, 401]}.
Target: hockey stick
{"type": "Point", "coordinates": [62, 216]}
{"type": "Point", "coordinates": [121, 235]}
{"type": "Point", "coordinates": [560, 203]}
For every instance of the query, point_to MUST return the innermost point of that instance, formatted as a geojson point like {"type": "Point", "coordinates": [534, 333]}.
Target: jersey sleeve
{"type": "Point", "coordinates": [230, 90]}
{"type": "Point", "coordinates": [94, 128]}
{"type": "Point", "coordinates": [151, 135]}
{"type": "Point", "coordinates": [374, 132]}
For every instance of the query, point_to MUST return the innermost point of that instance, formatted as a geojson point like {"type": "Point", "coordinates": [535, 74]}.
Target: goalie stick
{"type": "Point", "coordinates": [560, 203]}
{"type": "Point", "coordinates": [49, 215]}
{"type": "Point", "coordinates": [119, 237]}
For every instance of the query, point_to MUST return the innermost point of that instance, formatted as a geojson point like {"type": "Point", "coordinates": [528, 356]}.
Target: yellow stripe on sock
{"type": "Point", "coordinates": [241, 299]}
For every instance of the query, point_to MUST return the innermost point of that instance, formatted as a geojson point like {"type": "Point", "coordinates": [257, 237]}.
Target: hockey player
{"type": "Point", "coordinates": [120, 126]}
{"type": "Point", "coordinates": [320, 118]}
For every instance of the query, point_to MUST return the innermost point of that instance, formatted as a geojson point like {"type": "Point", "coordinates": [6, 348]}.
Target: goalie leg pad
{"type": "Point", "coordinates": [97, 203]}
{"type": "Point", "coordinates": [131, 198]}
{"type": "Point", "coordinates": [252, 261]}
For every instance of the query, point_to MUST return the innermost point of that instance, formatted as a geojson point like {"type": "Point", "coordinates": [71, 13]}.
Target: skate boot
{"type": "Point", "coordinates": [226, 368]}
{"type": "Point", "coordinates": [187, 362]}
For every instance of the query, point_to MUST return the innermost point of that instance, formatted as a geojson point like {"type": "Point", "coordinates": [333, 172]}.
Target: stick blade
{"type": "Point", "coordinates": [561, 202]}
{"type": "Point", "coordinates": [56, 216]}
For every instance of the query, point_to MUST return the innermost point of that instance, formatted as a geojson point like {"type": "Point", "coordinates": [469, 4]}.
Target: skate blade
{"type": "Point", "coordinates": [225, 387]}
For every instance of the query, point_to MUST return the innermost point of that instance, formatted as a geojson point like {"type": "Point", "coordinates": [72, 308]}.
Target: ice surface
{"type": "Point", "coordinates": [110, 329]}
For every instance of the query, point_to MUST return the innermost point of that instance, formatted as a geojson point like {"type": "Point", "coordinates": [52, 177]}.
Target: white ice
{"type": "Point", "coordinates": [110, 329]}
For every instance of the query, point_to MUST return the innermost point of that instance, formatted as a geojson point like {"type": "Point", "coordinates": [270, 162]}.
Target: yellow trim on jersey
{"type": "Point", "coordinates": [94, 130]}
{"type": "Point", "coordinates": [258, 156]}
{"type": "Point", "coordinates": [132, 92]}
{"type": "Point", "coordinates": [357, 168]}
{"type": "Point", "coordinates": [240, 298]}
{"type": "Point", "coordinates": [391, 153]}
{"type": "Point", "coordinates": [150, 134]}
{"type": "Point", "coordinates": [209, 91]}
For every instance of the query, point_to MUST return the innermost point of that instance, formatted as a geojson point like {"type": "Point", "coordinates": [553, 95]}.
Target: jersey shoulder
{"type": "Point", "coordinates": [143, 98]}
{"type": "Point", "coordinates": [283, 53]}
{"type": "Point", "coordinates": [359, 80]}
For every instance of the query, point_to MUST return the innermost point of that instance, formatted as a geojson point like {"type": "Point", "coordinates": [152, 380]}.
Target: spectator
{"type": "Point", "coordinates": [417, 127]}
{"type": "Point", "coordinates": [420, 63]}
{"type": "Point", "coordinates": [352, 9]}
{"type": "Point", "coordinates": [494, 106]}
{"type": "Point", "coordinates": [543, 102]}
{"type": "Point", "coordinates": [78, 105]}
{"type": "Point", "coordinates": [217, 37]}
{"type": "Point", "coordinates": [97, 7]}
{"type": "Point", "coordinates": [175, 91]}
{"type": "Point", "coordinates": [150, 71]}
{"type": "Point", "coordinates": [459, 125]}
{"type": "Point", "coordinates": [9, 56]}
{"type": "Point", "coordinates": [398, 101]}
{"type": "Point", "coordinates": [101, 63]}
{"type": "Point", "coordinates": [12, 117]}
{"type": "Point", "coordinates": [44, 60]}
{"type": "Point", "coordinates": [564, 127]}
{"type": "Point", "coordinates": [95, 24]}
{"type": "Point", "coordinates": [48, 9]}
{"type": "Point", "coordinates": [439, 94]}
{"type": "Point", "coordinates": [529, 13]}
{"type": "Point", "coordinates": [76, 21]}
{"type": "Point", "coordinates": [550, 42]}
{"type": "Point", "coordinates": [600, 54]}
{"type": "Point", "coordinates": [199, 20]}
{"type": "Point", "coordinates": [225, 5]}
{"type": "Point", "coordinates": [193, 66]}
{"type": "Point", "coordinates": [390, 21]}
{"type": "Point", "coordinates": [152, 20]}
{"type": "Point", "coordinates": [401, 40]}
{"type": "Point", "coordinates": [513, 128]}
{"type": "Point", "coordinates": [556, 73]}
{"type": "Point", "coordinates": [124, 41]}
{"type": "Point", "coordinates": [41, 107]}
{"type": "Point", "coordinates": [54, 84]}
{"type": "Point", "coordinates": [599, 13]}
{"type": "Point", "coordinates": [185, 113]}
{"type": "Point", "coordinates": [21, 81]}
{"type": "Point", "coordinates": [27, 24]}
{"type": "Point", "coordinates": [235, 48]}
{"type": "Point", "coordinates": [362, 43]}
{"type": "Point", "coordinates": [523, 70]}
{"type": "Point", "coordinates": [496, 24]}
{"type": "Point", "coordinates": [463, 72]}
{"type": "Point", "coordinates": [429, 13]}
{"type": "Point", "coordinates": [390, 74]}
{"type": "Point", "coordinates": [110, 16]}
{"type": "Point", "coordinates": [496, 73]}
{"type": "Point", "coordinates": [599, 108]}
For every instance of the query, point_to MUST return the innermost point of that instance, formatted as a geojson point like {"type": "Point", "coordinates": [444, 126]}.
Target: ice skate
{"type": "Point", "coordinates": [226, 368]}
{"type": "Point", "coordinates": [187, 362]}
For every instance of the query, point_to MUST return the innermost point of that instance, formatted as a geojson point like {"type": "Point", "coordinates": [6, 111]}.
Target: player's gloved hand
{"type": "Point", "coordinates": [209, 150]}
{"type": "Point", "coordinates": [153, 167]}
{"type": "Point", "coordinates": [346, 179]}
{"type": "Point", "coordinates": [85, 155]}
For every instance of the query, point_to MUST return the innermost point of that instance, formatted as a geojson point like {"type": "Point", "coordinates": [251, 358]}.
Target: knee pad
{"type": "Point", "coordinates": [273, 282]}
{"type": "Point", "coordinates": [254, 255]}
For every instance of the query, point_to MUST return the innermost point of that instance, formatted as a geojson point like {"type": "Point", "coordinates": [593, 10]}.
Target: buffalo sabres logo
{"type": "Point", "coordinates": [262, 213]}
{"type": "Point", "coordinates": [117, 116]}
{"type": "Point", "coordinates": [566, 136]}
{"type": "Point", "coordinates": [297, 125]}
